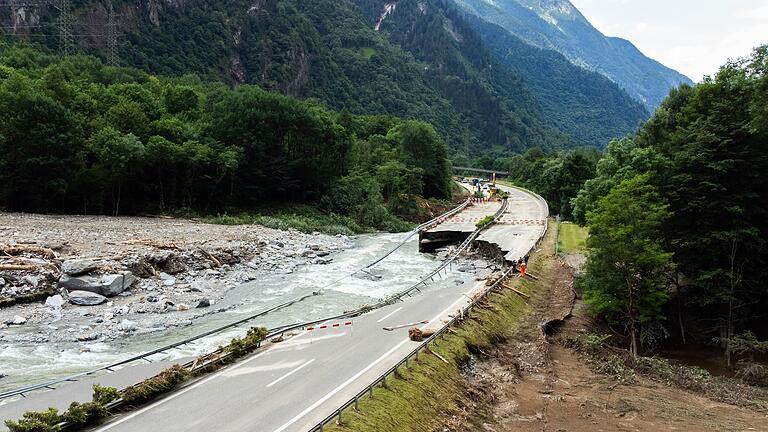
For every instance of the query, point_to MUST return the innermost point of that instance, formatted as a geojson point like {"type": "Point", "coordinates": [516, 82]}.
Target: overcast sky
{"type": "Point", "coordinates": [694, 37]}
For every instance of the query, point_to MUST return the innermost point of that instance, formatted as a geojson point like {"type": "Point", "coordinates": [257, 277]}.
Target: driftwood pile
{"type": "Point", "coordinates": [417, 335]}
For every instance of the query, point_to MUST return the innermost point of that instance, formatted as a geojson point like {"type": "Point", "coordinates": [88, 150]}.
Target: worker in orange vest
{"type": "Point", "coordinates": [522, 269]}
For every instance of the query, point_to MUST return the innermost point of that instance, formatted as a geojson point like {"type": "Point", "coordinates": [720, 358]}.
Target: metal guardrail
{"type": "Point", "coordinates": [413, 354]}
{"type": "Point", "coordinates": [452, 257]}
{"type": "Point", "coordinates": [425, 344]}
{"type": "Point", "coordinates": [48, 385]}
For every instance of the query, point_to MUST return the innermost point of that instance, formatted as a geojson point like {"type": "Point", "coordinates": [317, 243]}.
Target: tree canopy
{"type": "Point", "coordinates": [82, 137]}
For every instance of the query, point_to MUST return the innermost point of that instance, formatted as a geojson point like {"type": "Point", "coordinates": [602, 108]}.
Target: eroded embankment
{"type": "Point", "coordinates": [432, 395]}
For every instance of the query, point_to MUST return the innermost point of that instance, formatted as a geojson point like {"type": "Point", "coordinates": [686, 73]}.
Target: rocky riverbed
{"type": "Point", "coordinates": [102, 278]}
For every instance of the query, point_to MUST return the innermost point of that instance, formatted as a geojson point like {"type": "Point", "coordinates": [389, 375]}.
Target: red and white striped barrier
{"type": "Point", "coordinates": [328, 326]}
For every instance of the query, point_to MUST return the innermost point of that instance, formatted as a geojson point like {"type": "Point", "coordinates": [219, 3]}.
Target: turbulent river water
{"type": "Point", "coordinates": [30, 364]}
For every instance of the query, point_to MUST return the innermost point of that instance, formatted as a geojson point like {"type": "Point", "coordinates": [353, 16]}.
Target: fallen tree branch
{"type": "Point", "coordinates": [16, 249]}
{"type": "Point", "coordinates": [437, 355]}
{"type": "Point", "coordinates": [520, 293]}
{"type": "Point", "coordinates": [17, 267]}
{"type": "Point", "coordinates": [215, 260]}
{"type": "Point", "coordinates": [152, 243]}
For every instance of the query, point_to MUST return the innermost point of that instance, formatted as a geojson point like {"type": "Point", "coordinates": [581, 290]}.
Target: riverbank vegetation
{"type": "Point", "coordinates": [91, 139]}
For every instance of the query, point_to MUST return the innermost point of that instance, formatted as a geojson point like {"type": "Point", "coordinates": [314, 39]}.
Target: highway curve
{"type": "Point", "coordinates": [293, 385]}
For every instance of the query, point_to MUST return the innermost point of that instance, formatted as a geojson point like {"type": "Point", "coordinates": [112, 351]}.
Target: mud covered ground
{"type": "Point", "coordinates": [534, 383]}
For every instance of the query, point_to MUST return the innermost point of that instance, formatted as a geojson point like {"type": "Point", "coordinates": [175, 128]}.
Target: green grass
{"type": "Point", "coordinates": [303, 218]}
{"type": "Point", "coordinates": [572, 238]}
{"type": "Point", "coordinates": [423, 396]}
{"type": "Point", "coordinates": [367, 52]}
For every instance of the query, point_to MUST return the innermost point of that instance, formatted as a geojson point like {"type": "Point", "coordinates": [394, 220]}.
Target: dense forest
{"type": "Point", "coordinates": [678, 217]}
{"type": "Point", "coordinates": [81, 137]}
{"type": "Point", "coordinates": [423, 62]}
{"type": "Point", "coordinates": [587, 106]}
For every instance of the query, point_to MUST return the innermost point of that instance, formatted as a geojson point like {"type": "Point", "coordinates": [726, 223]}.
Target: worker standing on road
{"type": "Point", "coordinates": [522, 269]}
{"type": "Point", "coordinates": [526, 259]}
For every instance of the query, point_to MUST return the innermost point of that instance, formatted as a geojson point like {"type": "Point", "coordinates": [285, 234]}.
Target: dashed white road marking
{"type": "Point", "coordinates": [390, 314]}
{"type": "Point", "coordinates": [290, 373]}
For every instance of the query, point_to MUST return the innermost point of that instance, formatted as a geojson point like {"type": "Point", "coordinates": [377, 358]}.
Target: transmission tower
{"type": "Point", "coordinates": [66, 38]}
{"type": "Point", "coordinates": [112, 56]}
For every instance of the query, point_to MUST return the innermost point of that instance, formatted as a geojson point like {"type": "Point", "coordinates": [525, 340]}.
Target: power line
{"type": "Point", "coordinates": [112, 56]}
{"type": "Point", "coordinates": [67, 41]}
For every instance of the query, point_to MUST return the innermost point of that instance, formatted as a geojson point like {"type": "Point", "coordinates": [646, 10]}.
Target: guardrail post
{"type": "Point", "coordinates": [384, 382]}
{"type": "Point", "coordinates": [357, 407]}
{"type": "Point", "coordinates": [340, 411]}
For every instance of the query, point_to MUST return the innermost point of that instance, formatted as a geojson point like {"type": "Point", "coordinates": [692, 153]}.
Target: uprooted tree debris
{"type": "Point", "coordinates": [417, 335]}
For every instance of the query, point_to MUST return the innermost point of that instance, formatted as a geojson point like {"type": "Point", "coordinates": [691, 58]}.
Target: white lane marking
{"type": "Point", "coordinates": [357, 375]}
{"type": "Point", "coordinates": [298, 345]}
{"type": "Point", "coordinates": [390, 314]}
{"type": "Point", "coordinates": [290, 373]}
{"type": "Point", "coordinates": [265, 368]}
{"type": "Point", "coordinates": [192, 387]}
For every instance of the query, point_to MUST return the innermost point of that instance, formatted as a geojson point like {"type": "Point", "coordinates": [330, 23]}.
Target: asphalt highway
{"type": "Point", "coordinates": [519, 227]}
{"type": "Point", "coordinates": [292, 385]}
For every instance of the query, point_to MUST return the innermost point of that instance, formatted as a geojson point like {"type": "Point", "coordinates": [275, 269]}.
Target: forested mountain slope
{"type": "Point", "coordinates": [491, 97]}
{"type": "Point", "coordinates": [583, 104]}
{"type": "Point", "coordinates": [322, 49]}
{"type": "Point", "coordinates": [437, 70]}
{"type": "Point", "coordinates": [558, 25]}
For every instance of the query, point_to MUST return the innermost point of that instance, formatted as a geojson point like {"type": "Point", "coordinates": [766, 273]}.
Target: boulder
{"type": "Point", "coordinates": [16, 320]}
{"type": "Point", "coordinates": [56, 301]}
{"type": "Point", "coordinates": [86, 298]}
{"type": "Point", "coordinates": [88, 337]}
{"type": "Point", "coordinates": [126, 325]}
{"type": "Point", "coordinates": [77, 267]}
{"type": "Point", "coordinates": [107, 285]}
{"type": "Point", "coordinates": [203, 303]}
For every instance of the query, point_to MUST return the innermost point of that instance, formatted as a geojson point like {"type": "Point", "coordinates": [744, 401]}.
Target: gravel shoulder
{"type": "Point", "coordinates": [133, 275]}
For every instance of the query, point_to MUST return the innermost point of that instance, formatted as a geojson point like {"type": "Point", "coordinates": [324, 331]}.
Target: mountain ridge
{"type": "Point", "coordinates": [344, 54]}
{"type": "Point", "coordinates": [560, 26]}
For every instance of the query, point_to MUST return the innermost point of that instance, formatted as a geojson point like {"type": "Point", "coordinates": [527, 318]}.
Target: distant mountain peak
{"type": "Point", "coordinates": [558, 25]}
{"type": "Point", "coordinates": [552, 10]}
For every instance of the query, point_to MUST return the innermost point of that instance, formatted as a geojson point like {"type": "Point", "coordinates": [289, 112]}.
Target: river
{"type": "Point", "coordinates": [32, 363]}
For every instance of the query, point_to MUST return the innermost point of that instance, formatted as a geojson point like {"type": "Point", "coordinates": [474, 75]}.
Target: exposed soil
{"type": "Point", "coordinates": [532, 383]}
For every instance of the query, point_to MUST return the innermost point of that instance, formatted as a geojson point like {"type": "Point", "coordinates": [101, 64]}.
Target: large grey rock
{"type": "Point", "coordinates": [127, 326]}
{"type": "Point", "coordinates": [56, 301]}
{"type": "Point", "coordinates": [86, 298]}
{"type": "Point", "coordinates": [16, 320]}
{"type": "Point", "coordinates": [106, 285]}
{"type": "Point", "coordinates": [77, 267]}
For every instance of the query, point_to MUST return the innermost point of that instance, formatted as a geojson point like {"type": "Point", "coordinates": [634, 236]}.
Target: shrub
{"type": "Point", "coordinates": [242, 346]}
{"type": "Point", "coordinates": [484, 222]}
{"type": "Point", "coordinates": [753, 374]}
{"type": "Point", "coordinates": [147, 390]}
{"type": "Point", "coordinates": [85, 413]}
{"type": "Point", "coordinates": [33, 421]}
{"type": "Point", "coordinates": [104, 395]}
